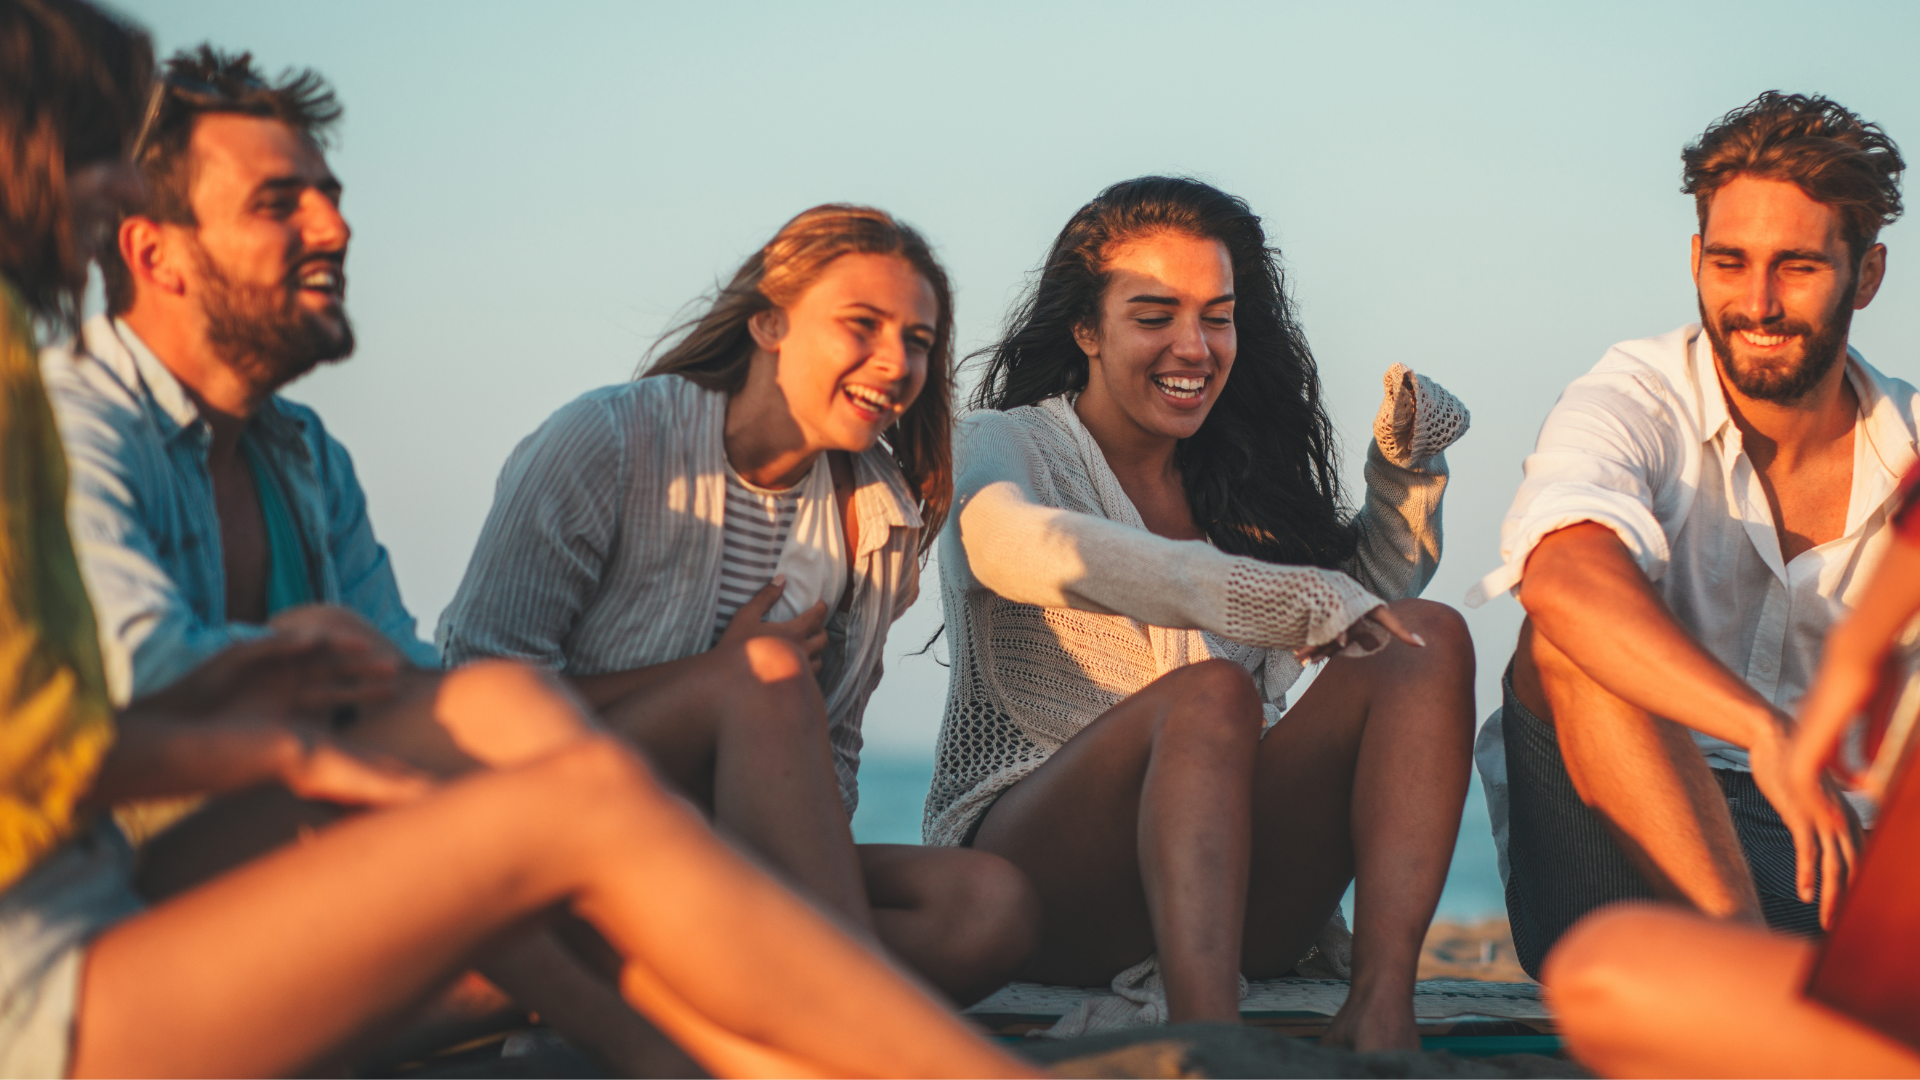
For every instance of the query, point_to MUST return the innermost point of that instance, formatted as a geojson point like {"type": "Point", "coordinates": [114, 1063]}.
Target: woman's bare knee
{"type": "Point", "coordinates": [775, 660]}
{"type": "Point", "coordinates": [503, 712]}
{"type": "Point", "coordinates": [1211, 699]}
{"type": "Point", "coordinates": [1599, 968]}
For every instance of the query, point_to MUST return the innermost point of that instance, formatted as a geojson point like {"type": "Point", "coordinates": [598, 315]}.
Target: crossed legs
{"type": "Point", "coordinates": [751, 747]}
{"type": "Point", "coordinates": [1169, 826]}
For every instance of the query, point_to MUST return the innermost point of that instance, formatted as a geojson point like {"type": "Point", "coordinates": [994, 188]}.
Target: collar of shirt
{"type": "Point", "coordinates": [1882, 455]}
{"type": "Point", "coordinates": [128, 356]}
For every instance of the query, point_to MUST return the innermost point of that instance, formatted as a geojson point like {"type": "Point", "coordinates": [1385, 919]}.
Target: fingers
{"type": "Point", "coordinates": [329, 772]}
{"type": "Point", "coordinates": [1385, 617]}
{"type": "Point", "coordinates": [755, 610]}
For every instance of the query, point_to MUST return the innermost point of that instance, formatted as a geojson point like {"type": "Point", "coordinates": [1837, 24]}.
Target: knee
{"type": "Point", "coordinates": [599, 772]}
{"type": "Point", "coordinates": [770, 660]}
{"type": "Point", "coordinates": [1598, 971]}
{"type": "Point", "coordinates": [1440, 626]}
{"type": "Point", "coordinates": [1213, 698]}
{"type": "Point", "coordinates": [501, 712]}
{"type": "Point", "coordinates": [991, 911]}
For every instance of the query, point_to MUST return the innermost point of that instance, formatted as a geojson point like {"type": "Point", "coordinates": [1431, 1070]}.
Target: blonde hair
{"type": "Point", "coordinates": [715, 349]}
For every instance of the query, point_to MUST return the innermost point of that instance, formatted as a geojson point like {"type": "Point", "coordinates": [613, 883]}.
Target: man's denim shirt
{"type": "Point", "coordinates": [143, 517]}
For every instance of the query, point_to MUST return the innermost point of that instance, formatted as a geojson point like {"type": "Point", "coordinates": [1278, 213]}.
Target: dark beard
{"type": "Point", "coordinates": [1821, 347]}
{"type": "Point", "coordinates": [262, 332]}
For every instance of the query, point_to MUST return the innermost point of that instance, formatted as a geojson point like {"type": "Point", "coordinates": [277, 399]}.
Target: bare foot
{"type": "Point", "coordinates": [1375, 1022]}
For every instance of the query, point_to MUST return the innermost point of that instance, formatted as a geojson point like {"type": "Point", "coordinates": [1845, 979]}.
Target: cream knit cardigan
{"type": "Point", "coordinates": [1059, 603]}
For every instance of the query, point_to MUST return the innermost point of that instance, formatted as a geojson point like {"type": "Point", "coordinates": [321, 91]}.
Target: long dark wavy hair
{"type": "Point", "coordinates": [716, 348]}
{"type": "Point", "coordinates": [1261, 474]}
{"type": "Point", "coordinates": [72, 81]}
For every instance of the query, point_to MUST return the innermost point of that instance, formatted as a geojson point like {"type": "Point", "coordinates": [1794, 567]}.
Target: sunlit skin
{"type": "Point", "coordinates": [742, 727]}
{"type": "Point", "coordinates": [1600, 653]}
{"type": "Point", "coordinates": [364, 920]}
{"type": "Point", "coordinates": [1169, 825]}
{"type": "Point", "coordinates": [834, 370]}
{"type": "Point", "coordinates": [1643, 991]}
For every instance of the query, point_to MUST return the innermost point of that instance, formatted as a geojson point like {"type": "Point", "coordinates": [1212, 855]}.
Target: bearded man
{"type": "Point", "coordinates": [1700, 508]}
{"type": "Point", "coordinates": [208, 510]}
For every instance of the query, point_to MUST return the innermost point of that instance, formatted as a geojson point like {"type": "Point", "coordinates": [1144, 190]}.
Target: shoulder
{"type": "Point", "coordinates": [1647, 383]}
{"type": "Point", "coordinates": [1026, 428]}
{"type": "Point", "coordinates": [665, 404]}
{"type": "Point", "coordinates": [80, 379]}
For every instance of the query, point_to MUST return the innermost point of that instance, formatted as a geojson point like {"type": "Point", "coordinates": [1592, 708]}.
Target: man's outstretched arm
{"type": "Point", "coordinates": [1590, 601]}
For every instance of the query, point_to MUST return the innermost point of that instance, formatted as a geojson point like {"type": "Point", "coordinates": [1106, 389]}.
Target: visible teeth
{"type": "Point", "coordinates": [1180, 386]}
{"type": "Point", "coordinates": [867, 395]}
{"type": "Point", "coordinates": [1767, 340]}
{"type": "Point", "coordinates": [321, 278]}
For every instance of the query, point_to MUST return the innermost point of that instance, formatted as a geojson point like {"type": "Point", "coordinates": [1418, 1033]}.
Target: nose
{"type": "Point", "coordinates": [323, 227]}
{"type": "Point", "coordinates": [1761, 302]}
{"type": "Point", "coordinates": [1190, 340]}
{"type": "Point", "coordinates": [889, 356]}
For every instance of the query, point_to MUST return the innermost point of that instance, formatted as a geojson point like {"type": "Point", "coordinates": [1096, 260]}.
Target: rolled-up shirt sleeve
{"type": "Point", "coordinates": [1606, 454]}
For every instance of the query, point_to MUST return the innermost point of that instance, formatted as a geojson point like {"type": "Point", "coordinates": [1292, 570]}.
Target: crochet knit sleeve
{"type": "Point", "coordinates": [1399, 525]}
{"type": "Point", "coordinates": [1031, 553]}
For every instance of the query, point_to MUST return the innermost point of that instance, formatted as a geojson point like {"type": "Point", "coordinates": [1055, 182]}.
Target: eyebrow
{"type": "Point", "coordinates": [328, 184]}
{"type": "Point", "coordinates": [1779, 257]}
{"type": "Point", "coordinates": [1170, 301]}
{"type": "Point", "coordinates": [877, 310]}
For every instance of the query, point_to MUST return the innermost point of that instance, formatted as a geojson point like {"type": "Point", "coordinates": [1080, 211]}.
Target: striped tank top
{"type": "Point", "coordinates": [758, 521]}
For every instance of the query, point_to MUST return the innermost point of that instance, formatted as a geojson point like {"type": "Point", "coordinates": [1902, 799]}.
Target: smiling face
{"type": "Point", "coordinates": [1778, 287]}
{"type": "Point", "coordinates": [268, 265]}
{"type": "Point", "coordinates": [1165, 344]}
{"type": "Point", "coordinates": [851, 354]}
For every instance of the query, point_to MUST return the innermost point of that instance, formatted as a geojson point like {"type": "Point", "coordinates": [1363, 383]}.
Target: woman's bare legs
{"type": "Point", "coordinates": [1646, 990]}
{"type": "Point", "coordinates": [747, 738]}
{"type": "Point", "coordinates": [1367, 771]}
{"type": "Point", "coordinates": [1362, 781]}
{"type": "Point", "coordinates": [273, 968]}
{"type": "Point", "coordinates": [750, 744]}
{"type": "Point", "coordinates": [1137, 835]}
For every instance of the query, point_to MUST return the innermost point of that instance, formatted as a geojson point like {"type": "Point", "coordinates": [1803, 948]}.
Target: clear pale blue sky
{"type": "Point", "coordinates": [1487, 193]}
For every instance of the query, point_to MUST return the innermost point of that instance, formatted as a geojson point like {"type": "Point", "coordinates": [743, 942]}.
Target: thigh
{"type": "Point", "coordinates": [1072, 826]}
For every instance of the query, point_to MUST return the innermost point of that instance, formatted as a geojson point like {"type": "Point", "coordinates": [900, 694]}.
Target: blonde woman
{"type": "Point", "coordinates": [713, 553]}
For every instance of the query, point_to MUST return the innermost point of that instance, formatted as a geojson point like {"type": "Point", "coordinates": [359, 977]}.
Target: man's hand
{"type": "Point", "coordinates": [1826, 835]}
{"type": "Point", "coordinates": [314, 766]}
{"type": "Point", "coordinates": [808, 630]}
{"type": "Point", "coordinates": [337, 624]}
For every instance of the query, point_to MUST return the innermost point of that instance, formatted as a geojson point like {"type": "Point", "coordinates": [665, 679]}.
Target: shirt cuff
{"type": "Point", "coordinates": [1636, 528]}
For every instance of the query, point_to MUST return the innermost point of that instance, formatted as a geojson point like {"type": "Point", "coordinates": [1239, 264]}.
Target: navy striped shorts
{"type": "Point", "coordinates": [1562, 862]}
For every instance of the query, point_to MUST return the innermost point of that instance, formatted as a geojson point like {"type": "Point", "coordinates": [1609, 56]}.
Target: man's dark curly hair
{"type": "Point", "coordinates": [200, 82]}
{"type": "Point", "coordinates": [1828, 151]}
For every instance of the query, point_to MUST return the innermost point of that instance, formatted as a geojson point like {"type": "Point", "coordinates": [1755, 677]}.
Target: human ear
{"type": "Point", "coordinates": [1870, 273]}
{"type": "Point", "coordinates": [1694, 259]}
{"type": "Point", "coordinates": [1088, 339]}
{"type": "Point", "coordinates": [148, 256]}
{"type": "Point", "coordinates": [769, 328]}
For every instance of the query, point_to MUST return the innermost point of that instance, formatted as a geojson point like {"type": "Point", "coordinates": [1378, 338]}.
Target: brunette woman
{"type": "Point", "coordinates": [293, 962]}
{"type": "Point", "coordinates": [1148, 545]}
{"type": "Point", "coordinates": [713, 553]}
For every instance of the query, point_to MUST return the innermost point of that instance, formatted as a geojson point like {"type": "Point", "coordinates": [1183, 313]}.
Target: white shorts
{"type": "Point", "coordinates": [47, 920]}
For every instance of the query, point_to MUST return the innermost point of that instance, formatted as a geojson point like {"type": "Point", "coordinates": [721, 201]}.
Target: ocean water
{"type": "Point", "coordinates": [893, 791]}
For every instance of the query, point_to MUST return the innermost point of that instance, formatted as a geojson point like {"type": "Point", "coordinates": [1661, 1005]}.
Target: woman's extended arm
{"type": "Point", "coordinates": [1399, 526]}
{"type": "Point", "coordinates": [1042, 555]}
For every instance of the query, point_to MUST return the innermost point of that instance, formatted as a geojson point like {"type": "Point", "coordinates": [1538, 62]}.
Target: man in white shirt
{"type": "Point", "coordinates": [1699, 509]}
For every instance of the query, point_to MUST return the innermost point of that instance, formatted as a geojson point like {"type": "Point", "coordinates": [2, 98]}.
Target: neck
{"type": "Point", "coordinates": [765, 445]}
{"type": "Point", "coordinates": [226, 398]}
{"type": "Point", "coordinates": [1132, 452]}
{"type": "Point", "coordinates": [1787, 433]}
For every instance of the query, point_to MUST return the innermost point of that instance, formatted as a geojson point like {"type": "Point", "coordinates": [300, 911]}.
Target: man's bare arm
{"type": "Point", "coordinates": [1587, 596]}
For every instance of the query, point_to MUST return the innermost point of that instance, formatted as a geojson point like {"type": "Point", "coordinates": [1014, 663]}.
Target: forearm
{"type": "Point", "coordinates": [603, 690]}
{"type": "Point", "coordinates": [157, 756]}
{"type": "Point", "coordinates": [1586, 595]}
{"type": "Point", "coordinates": [1398, 530]}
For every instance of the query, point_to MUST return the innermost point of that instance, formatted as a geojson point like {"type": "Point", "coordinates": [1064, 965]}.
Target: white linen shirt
{"type": "Point", "coordinates": [1644, 445]}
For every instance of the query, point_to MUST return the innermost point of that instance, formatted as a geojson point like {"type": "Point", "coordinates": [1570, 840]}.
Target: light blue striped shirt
{"type": "Point", "coordinates": [143, 516]}
{"type": "Point", "coordinates": [602, 552]}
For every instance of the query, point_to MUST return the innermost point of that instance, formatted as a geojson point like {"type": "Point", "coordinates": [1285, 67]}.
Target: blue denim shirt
{"type": "Point", "coordinates": [143, 516]}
